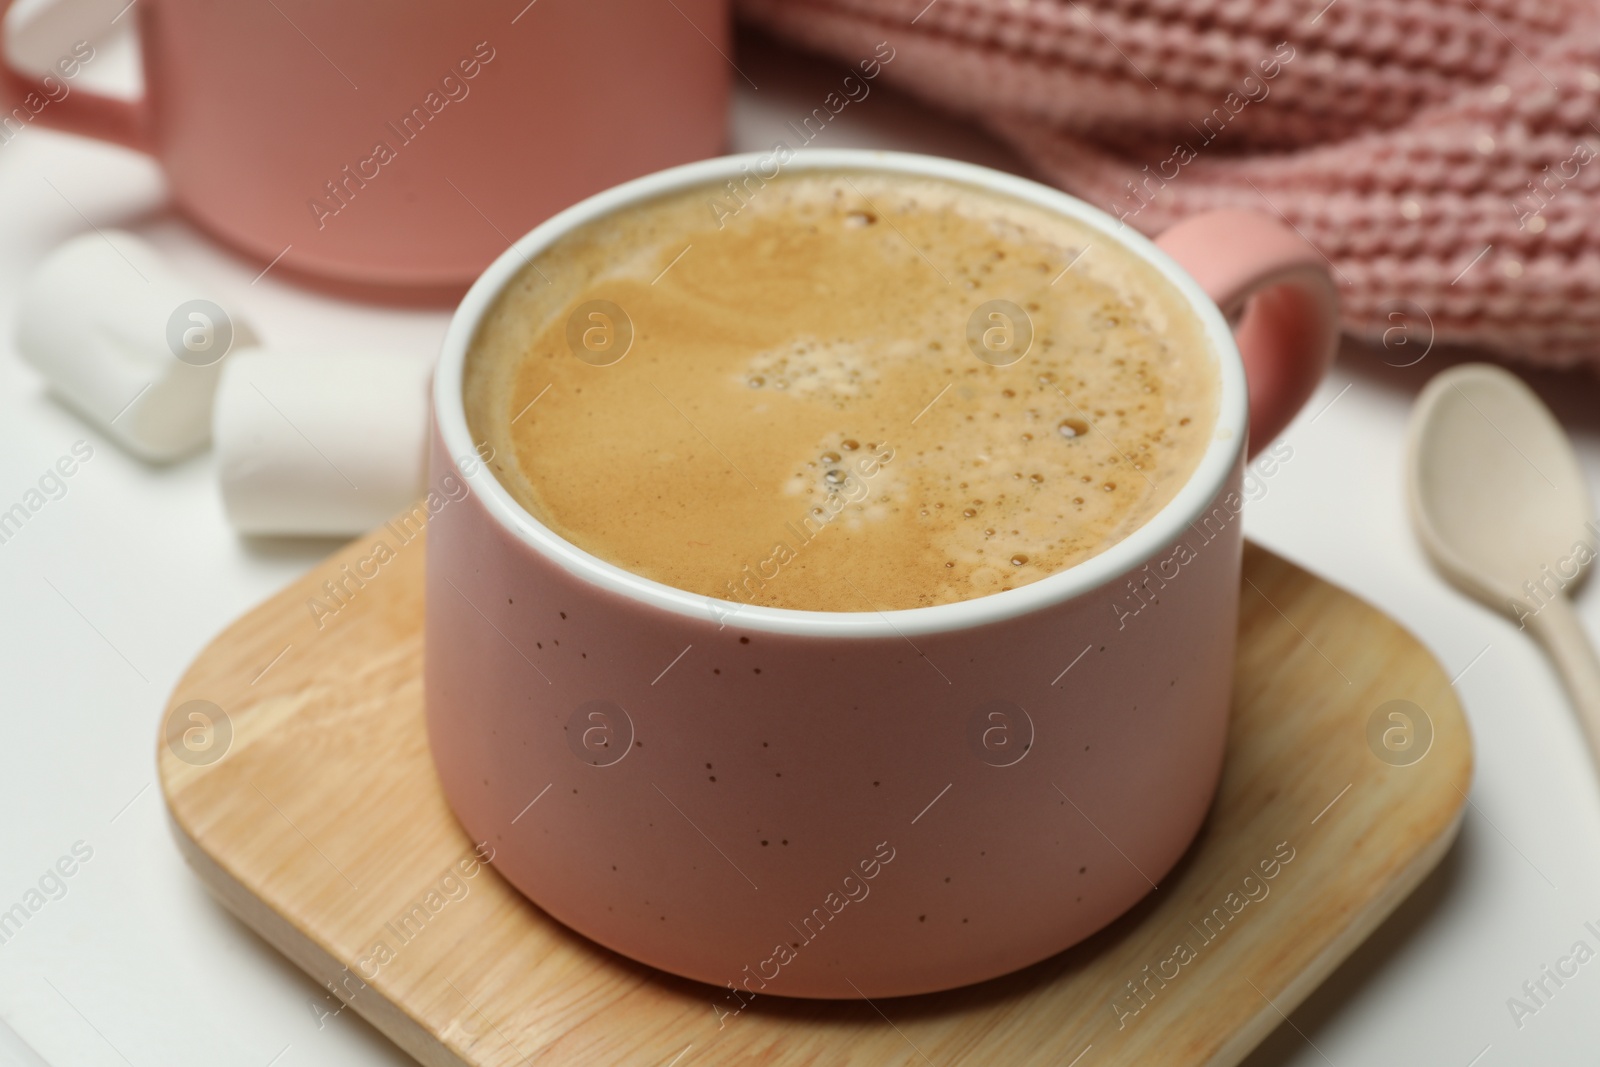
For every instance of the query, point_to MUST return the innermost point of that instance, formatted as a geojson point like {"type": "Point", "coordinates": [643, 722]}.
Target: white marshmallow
{"type": "Point", "coordinates": [105, 319]}
{"type": "Point", "coordinates": [319, 444]}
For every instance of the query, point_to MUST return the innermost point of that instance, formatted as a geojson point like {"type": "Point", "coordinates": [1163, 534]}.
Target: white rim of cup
{"type": "Point", "coordinates": [1161, 530]}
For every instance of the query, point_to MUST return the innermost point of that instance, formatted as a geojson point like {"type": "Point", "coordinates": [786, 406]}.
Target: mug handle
{"type": "Point", "coordinates": [1289, 329]}
{"type": "Point", "coordinates": [105, 118]}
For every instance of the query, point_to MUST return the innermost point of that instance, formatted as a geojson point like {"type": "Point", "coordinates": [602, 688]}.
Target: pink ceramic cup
{"type": "Point", "coordinates": [393, 150]}
{"type": "Point", "coordinates": [824, 804]}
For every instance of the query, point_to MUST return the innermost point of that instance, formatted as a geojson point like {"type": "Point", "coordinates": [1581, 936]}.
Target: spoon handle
{"type": "Point", "coordinates": [1558, 627]}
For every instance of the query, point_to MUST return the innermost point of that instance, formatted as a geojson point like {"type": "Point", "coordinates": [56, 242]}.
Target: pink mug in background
{"type": "Point", "coordinates": [825, 815]}
{"type": "Point", "coordinates": [394, 149]}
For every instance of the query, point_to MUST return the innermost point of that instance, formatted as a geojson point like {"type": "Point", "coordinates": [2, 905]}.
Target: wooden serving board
{"type": "Point", "coordinates": [322, 820]}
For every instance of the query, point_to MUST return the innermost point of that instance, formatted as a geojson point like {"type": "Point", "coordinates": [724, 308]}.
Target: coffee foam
{"type": "Point", "coordinates": [800, 421]}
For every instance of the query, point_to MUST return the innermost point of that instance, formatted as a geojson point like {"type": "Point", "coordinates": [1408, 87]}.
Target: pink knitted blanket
{"type": "Point", "coordinates": [1442, 154]}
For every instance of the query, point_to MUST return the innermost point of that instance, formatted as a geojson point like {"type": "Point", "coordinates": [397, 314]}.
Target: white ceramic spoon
{"type": "Point", "coordinates": [1498, 501]}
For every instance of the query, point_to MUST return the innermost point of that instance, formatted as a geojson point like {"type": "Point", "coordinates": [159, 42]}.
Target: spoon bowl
{"type": "Point", "coordinates": [1497, 495]}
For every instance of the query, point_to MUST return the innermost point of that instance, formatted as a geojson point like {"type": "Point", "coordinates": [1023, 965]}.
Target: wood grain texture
{"type": "Point", "coordinates": [323, 824]}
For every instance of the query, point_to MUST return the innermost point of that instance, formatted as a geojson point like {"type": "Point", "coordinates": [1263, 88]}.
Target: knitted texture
{"type": "Point", "coordinates": [1444, 156]}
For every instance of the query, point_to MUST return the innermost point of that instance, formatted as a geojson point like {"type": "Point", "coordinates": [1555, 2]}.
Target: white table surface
{"type": "Point", "coordinates": [107, 594]}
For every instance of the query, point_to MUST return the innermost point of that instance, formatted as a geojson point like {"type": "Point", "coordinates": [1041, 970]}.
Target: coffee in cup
{"type": "Point", "coordinates": [711, 771]}
{"type": "Point", "coordinates": [841, 392]}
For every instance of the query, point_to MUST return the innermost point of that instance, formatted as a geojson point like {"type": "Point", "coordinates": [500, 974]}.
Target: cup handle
{"type": "Point", "coordinates": [1289, 328]}
{"type": "Point", "coordinates": [105, 118]}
